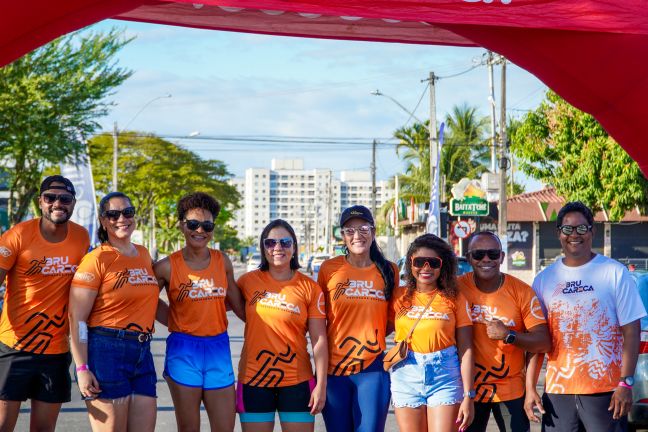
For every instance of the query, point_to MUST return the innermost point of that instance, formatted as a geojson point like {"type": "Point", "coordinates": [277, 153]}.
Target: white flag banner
{"type": "Point", "coordinates": [85, 210]}
{"type": "Point", "coordinates": [434, 213]}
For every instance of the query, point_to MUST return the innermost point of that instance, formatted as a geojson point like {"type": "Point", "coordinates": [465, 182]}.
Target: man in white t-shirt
{"type": "Point", "coordinates": [593, 311]}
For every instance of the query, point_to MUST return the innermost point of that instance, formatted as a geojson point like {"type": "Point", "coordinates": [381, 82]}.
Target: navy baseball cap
{"type": "Point", "coordinates": [357, 211]}
{"type": "Point", "coordinates": [67, 184]}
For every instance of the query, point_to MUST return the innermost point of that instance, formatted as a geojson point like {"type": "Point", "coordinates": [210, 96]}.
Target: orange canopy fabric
{"type": "Point", "coordinates": [593, 53]}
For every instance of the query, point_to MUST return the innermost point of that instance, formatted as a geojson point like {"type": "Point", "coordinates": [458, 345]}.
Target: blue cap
{"type": "Point", "coordinates": [357, 211]}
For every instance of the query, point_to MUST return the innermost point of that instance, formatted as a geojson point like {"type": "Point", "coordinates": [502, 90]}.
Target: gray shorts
{"type": "Point", "coordinates": [575, 413]}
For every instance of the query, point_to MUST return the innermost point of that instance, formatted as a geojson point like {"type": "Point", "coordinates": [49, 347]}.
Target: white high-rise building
{"type": "Point", "coordinates": [310, 200]}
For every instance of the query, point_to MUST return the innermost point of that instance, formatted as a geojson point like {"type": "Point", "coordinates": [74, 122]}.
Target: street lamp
{"type": "Point", "coordinates": [116, 137]}
{"type": "Point", "coordinates": [379, 93]}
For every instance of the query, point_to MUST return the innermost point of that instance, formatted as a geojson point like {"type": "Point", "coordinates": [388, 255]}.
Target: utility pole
{"type": "Point", "coordinates": [490, 62]}
{"type": "Point", "coordinates": [434, 159]}
{"type": "Point", "coordinates": [373, 178]}
{"type": "Point", "coordinates": [502, 222]}
{"type": "Point", "coordinates": [115, 153]}
{"type": "Point", "coordinates": [396, 205]}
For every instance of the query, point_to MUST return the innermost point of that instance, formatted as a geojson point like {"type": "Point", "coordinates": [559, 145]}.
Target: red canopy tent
{"type": "Point", "coordinates": [593, 53]}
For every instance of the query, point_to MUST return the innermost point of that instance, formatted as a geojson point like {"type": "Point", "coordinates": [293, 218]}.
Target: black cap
{"type": "Point", "coordinates": [47, 184]}
{"type": "Point", "coordinates": [357, 211]}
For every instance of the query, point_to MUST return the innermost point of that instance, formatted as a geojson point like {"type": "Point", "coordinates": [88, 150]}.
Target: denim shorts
{"type": "Point", "coordinates": [123, 367]}
{"type": "Point", "coordinates": [430, 379]}
{"type": "Point", "coordinates": [199, 361]}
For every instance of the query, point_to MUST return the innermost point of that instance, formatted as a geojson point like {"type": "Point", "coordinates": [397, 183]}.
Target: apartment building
{"type": "Point", "coordinates": [310, 200]}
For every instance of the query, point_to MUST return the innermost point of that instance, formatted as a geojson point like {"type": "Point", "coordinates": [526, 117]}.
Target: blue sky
{"type": "Point", "coordinates": [235, 84]}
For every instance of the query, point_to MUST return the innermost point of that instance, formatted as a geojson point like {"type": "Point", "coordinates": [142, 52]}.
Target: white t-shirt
{"type": "Point", "coordinates": [585, 308]}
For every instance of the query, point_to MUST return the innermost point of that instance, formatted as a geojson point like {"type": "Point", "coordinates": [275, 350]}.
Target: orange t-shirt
{"type": "Point", "coordinates": [499, 368]}
{"type": "Point", "coordinates": [127, 291]}
{"type": "Point", "coordinates": [357, 314]}
{"type": "Point", "coordinates": [197, 297]}
{"type": "Point", "coordinates": [277, 312]}
{"type": "Point", "coordinates": [436, 330]}
{"type": "Point", "coordinates": [34, 317]}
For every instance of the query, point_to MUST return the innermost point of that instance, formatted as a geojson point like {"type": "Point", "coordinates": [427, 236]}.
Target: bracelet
{"type": "Point", "coordinates": [81, 368]}
{"type": "Point", "coordinates": [623, 384]}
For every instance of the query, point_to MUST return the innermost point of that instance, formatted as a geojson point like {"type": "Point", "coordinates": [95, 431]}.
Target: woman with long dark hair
{"type": "Point", "coordinates": [432, 389]}
{"type": "Point", "coordinates": [199, 280]}
{"type": "Point", "coordinates": [357, 287]}
{"type": "Point", "coordinates": [113, 300]}
{"type": "Point", "coordinates": [281, 306]}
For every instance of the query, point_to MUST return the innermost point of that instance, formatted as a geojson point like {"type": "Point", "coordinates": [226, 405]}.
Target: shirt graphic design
{"type": "Point", "coordinates": [277, 312]}
{"type": "Point", "coordinates": [197, 297]}
{"type": "Point", "coordinates": [499, 368]}
{"type": "Point", "coordinates": [34, 316]}
{"type": "Point", "coordinates": [356, 310]}
{"type": "Point", "coordinates": [586, 307]}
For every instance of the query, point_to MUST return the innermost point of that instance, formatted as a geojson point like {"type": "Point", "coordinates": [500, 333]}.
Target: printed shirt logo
{"type": "Point", "coordinates": [572, 287]}
{"type": "Point", "coordinates": [84, 276]}
{"type": "Point", "coordinates": [5, 252]}
{"type": "Point", "coordinates": [137, 276]}
{"type": "Point", "coordinates": [536, 308]}
{"type": "Point", "coordinates": [414, 312]}
{"type": "Point", "coordinates": [483, 313]}
{"type": "Point", "coordinates": [275, 301]}
{"type": "Point", "coordinates": [200, 289]}
{"type": "Point", "coordinates": [358, 289]}
{"type": "Point", "coordinates": [321, 304]}
{"type": "Point", "coordinates": [51, 266]}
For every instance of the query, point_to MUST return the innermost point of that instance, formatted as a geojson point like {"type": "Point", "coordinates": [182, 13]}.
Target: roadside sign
{"type": "Point", "coordinates": [472, 206]}
{"type": "Point", "coordinates": [462, 229]}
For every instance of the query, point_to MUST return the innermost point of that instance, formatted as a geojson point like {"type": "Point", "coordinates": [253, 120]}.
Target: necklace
{"type": "Point", "coordinates": [499, 285]}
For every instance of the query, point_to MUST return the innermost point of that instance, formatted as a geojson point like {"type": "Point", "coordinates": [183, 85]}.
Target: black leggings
{"type": "Point", "coordinates": [509, 416]}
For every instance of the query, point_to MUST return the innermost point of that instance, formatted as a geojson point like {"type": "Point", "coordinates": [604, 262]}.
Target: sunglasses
{"type": "Point", "coordinates": [285, 243]}
{"type": "Point", "coordinates": [479, 254]}
{"type": "Point", "coordinates": [51, 198]}
{"type": "Point", "coordinates": [433, 262]}
{"type": "Point", "coordinates": [193, 225]}
{"type": "Point", "coordinates": [128, 212]}
{"type": "Point", "coordinates": [350, 231]}
{"type": "Point", "coordinates": [580, 229]}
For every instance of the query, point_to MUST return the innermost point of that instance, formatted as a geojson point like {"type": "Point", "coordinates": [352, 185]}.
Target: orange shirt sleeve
{"type": "Point", "coordinates": [532, 314]}
{"type": "Point", "coordinates": [316, 304]}
{"type": "Point", "coordinates": [10, 244]}
{"type": "Point", "coordinates": [89, 274]}
{"type": "Point", "coordinates": [462, 311]}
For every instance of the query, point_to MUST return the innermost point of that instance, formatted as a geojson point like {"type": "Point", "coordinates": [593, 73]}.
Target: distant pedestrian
{"type": "Point", "coordinates": [199, 281]}
{"type": "Point", "coordinates": [357, 287]}
{"type": "Point", "coordinates": [39, 257]}
{"type": "Point", "coordinates": [593, 311]}
{"type": "Point", "coordinates": [282, 305]}
{"type": "Point", "coordinates": [507, 323]}
{"type": "Point", "coordinates": [432, 389]}
{"type": "Point", "coordinates": [113, 299]}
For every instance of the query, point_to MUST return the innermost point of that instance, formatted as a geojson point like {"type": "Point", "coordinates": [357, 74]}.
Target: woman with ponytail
{"type": "Point", "coordinates": [357, 288]}
{"type": "Point", "coordinates": [113, 300]}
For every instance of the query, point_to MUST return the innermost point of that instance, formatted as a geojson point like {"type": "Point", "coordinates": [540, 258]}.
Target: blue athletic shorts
{"type": "Point", "coordinates": [122, 366]}
{"type": "Point", "coordinates": [258, 404]}
{"type": "Point", "coordinates": [430, 379]}
{"type": "Point", "coordinates": [199, 361]}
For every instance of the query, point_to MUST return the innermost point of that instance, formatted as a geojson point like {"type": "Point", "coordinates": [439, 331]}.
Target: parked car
{"type": "Point", "coordinates": [254, 261]}
{"type": "Point", "coordinates": [318, 259]}
{"type": "Point", "coordinates": [638, 417]}
{"type": "Point", "coordinates": [463, 266]}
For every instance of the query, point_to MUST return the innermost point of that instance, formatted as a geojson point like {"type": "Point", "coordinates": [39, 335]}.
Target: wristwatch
{"type": "Point", "coordinates": [628, 381]}
{"type": "Point", "coordinates": [470, 394]}
{"type": "Point", "coordinates": [510, 338]}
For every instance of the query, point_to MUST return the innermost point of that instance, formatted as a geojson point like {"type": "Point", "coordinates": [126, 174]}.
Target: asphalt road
{"type": "Point", "coordinates": [73, 416]}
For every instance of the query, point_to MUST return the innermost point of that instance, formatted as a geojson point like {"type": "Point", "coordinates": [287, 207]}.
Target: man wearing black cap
{"type": "Point", "coordinates": [39, 257]}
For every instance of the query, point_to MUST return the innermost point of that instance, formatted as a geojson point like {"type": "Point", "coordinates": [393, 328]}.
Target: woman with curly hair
{"type": "Point", "coordinates": [432, 388]}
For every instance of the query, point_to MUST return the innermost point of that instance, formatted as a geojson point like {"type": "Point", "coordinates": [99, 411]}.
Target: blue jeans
{"type": "Point", "coordinates": [430, 379]}
{"type": "Point", "coordinates": [358, 402]}
{"type": "Point", "coordinates": [123, 367]}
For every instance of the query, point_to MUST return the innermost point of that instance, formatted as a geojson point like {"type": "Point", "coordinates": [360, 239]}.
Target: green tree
{"type": "Point", "coordinates": [569, 150]}
{"type": "Point", "coordinates": [462, 154]}
{"type": "Point", "coordinates": [49, 99]}
{"type": "Point", "coordinates": [156, 173]}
